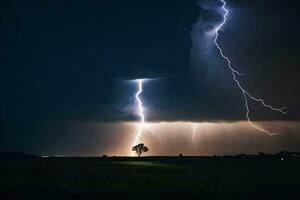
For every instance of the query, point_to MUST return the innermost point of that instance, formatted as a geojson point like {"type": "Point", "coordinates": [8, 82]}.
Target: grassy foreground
{"type": "Point", "coordinates": [249, 177]}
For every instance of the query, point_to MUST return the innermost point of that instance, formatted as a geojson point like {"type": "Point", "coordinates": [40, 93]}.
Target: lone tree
{"type": "Point", "coordinates": [139, 149]}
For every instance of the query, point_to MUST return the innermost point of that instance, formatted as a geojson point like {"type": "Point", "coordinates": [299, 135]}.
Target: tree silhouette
{"type": "Point", "coordinates": [139, 149]}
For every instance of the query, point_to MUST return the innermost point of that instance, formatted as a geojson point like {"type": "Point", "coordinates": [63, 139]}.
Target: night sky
{"type": "Point", "coordinates": [65, 67]}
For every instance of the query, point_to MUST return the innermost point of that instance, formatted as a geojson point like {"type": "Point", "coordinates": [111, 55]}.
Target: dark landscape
{"type": "Point", "coordinates": [227, 177]}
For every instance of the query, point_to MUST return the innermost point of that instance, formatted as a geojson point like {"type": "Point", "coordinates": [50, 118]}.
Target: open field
{"type": "Point", "coordinates": [241, 177]}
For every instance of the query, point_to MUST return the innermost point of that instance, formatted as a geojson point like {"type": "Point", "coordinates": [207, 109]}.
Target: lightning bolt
{"type": "Point", "coordinates": [194, 127]}
{"type": "Point", "coordinates": [154, 134]}
{"type": "Point", "coordinates": [141, 125]}
{"type": "Point", "coordinates": [246, 95]}
{"type": "Point", "coordinates": [140, 112]}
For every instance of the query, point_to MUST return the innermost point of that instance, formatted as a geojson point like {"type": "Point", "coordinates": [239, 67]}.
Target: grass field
{"type": "Point", "coordinates": [26, 177]}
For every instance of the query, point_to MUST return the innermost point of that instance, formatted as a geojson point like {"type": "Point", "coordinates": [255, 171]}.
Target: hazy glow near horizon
{"type": "Point", "coordinates": [170, 138]}
{"type": "Point", "coordinates": [207, 138]}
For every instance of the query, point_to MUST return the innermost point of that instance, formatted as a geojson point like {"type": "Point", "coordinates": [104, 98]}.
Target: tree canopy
{"type": "Point", "coordinates": [139, 149]}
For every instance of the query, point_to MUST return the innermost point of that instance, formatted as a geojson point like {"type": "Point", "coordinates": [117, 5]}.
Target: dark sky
{"type": "Point", "coordinates": [64, 61]}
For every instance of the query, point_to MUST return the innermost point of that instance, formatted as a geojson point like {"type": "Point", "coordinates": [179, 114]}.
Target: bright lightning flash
{"type": "Point", "coordinates": [246, 95]}
{"type": "Point", "coordinates": [140, 112]}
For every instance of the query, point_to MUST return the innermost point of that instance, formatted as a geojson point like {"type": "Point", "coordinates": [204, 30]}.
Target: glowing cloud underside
{"type": "Point", "coordinates": [246, 95]}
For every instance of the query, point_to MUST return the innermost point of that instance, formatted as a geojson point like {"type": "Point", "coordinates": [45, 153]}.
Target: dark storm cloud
{"type": "Point", "coordinates": [63, 61]}
{"type": "Point", "coordinates": [202, 33]}
{"type": "Point", "coordinates": [63, 57]}
{"type": "Point", "coordinates": [205, 59]}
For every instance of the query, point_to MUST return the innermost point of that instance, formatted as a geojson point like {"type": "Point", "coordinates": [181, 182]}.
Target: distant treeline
{"type": "Point", "coordinates": [280, 155]}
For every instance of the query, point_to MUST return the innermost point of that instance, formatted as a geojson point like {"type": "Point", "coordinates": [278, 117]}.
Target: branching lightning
{"type": "Point", "coordinates": [246, 95]}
